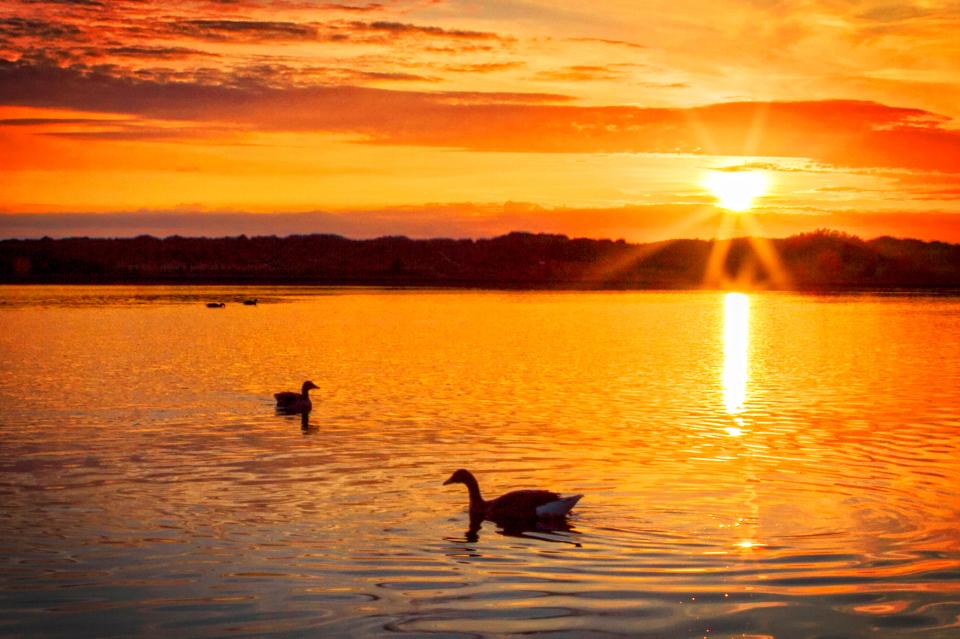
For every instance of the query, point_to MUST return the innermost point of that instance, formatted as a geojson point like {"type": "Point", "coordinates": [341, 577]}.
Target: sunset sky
{"type": "Point", "coordinates": [474, 118]}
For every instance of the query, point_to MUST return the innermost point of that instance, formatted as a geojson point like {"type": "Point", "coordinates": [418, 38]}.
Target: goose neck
{"type": "Point", "coordinates": [476, 499]}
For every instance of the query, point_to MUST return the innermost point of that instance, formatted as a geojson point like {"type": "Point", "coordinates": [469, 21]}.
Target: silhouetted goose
{"type": "Point", "coordinates": [516, 505]}
{"type": "Point", "coordinates": [291, 402]}
{"type": "Point", "coordinates": [215, 304]}
{"type": "Point", "coordinates": [250, 302]}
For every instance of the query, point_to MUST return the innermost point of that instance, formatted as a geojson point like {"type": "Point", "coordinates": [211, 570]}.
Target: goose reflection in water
{"type": "Point", "coordinates": [305, 426]}
{"type": "Point", "coordinates": [466, 549]}
{"type": "Point", "coordinates": [556, 530]}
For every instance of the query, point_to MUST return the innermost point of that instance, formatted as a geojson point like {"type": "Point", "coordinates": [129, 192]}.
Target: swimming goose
{"type": "Point", "coordinates": [516, 505]}
{"type": "Point", "coordinates": [291, 402]}
{"type": "Point", "coordinates": [215, 304]}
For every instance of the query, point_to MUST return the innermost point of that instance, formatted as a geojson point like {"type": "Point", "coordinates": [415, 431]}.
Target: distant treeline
{"type": "Point", "coordinates": [820, 260]}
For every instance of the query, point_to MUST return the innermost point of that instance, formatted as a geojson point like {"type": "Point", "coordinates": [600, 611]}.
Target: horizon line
{"type": "Point", "coordinates": [821, 232]}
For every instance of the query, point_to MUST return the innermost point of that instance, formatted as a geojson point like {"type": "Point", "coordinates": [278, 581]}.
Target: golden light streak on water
{"type": "Point", "coordinates": [736, 348]}
{"type": "Point", "coordinates": [736, 374]}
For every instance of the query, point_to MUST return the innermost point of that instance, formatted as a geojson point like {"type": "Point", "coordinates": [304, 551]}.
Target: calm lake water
{"type": "Point", "coordinates": [771, 465]}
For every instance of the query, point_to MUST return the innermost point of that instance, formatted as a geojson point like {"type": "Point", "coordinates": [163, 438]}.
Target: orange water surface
{"type": "Point", "coordinates": [753, 465]}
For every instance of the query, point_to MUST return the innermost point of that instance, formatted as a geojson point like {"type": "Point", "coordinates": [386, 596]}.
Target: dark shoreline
{"type": "Point", "coordinates": [816, 262]}
{"type": "Point", "coordinates": [572, 287]}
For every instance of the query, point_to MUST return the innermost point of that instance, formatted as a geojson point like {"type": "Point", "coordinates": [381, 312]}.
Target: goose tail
{"type": "Point", "coordinates": [558, 508]}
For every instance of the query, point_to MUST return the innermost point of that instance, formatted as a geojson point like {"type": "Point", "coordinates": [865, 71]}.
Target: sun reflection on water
{"type": "Point", "coordinates": [736, 369]}
{"type": "Point", "coordinates": [736, 342]}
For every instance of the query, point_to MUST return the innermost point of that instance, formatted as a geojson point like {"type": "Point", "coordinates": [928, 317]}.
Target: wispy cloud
{"type": "Point", "coordinates": [616, 43]}
{"type": "Point", "coordinates": [582, 72]}
{"type": "Point", "coordinates": [484, 67]}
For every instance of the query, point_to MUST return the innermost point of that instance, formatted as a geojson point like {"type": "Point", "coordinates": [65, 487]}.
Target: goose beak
{"type": "Point", "coordinates": [448, 482]}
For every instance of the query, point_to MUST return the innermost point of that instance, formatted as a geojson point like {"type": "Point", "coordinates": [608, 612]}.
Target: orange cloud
{"type": "Point", "coordinates": [839, 132]}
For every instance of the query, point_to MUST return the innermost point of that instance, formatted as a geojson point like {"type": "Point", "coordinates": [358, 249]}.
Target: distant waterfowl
{"type": "Point", "coordinates": [290, 402]}
{"type": "Point", "coordinates": [250, 302]}
{"type": "Point", "coordinates": [516, 505]}
{"type": "Point", "coordinates": [215, 304]}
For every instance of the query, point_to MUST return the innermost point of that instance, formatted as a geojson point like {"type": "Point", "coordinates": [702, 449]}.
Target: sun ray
{"type": "Point", "coordinates": [610, 270]}
{"type": "Point", "coordinates": [766, 253]}
{"type": "Point", "coordinates": [757, 124]}
{"type": "Point", "coordinates": [715, 274]}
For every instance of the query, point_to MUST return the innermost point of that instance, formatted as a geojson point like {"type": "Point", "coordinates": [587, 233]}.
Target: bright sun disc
{"type": "Point", "coordinates": [736, 190]}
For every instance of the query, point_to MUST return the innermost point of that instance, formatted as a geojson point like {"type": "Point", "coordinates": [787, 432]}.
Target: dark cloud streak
{"type": "Point", "coordinates": [366, 8]}
{"type": "Point", "coordinates": [72, 3]}
{"type": "Point", "coordinates": [15, 27]}
{"type": "Point", "coordinates": [154, 53]}
{"type": "Point", "coordinates": [53, 121]}
{"type": "Point", "coordinates": [402, 29]}
{"type": "Point", "coordinates": [223, 30]}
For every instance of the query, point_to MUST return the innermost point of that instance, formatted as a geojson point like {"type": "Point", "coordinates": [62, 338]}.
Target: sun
{"type": "Point", "coordinates": [736, 190]}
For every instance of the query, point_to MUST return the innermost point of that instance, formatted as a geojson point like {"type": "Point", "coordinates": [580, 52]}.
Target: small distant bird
{"type": "Point", "coordinates": [215, 304]}
{"type": "Point", "coordinates": [516, 505]}
{"type": "Point", "coordinates": [290, 402]}
{"type": "Point", "coordinates": [250, 302]}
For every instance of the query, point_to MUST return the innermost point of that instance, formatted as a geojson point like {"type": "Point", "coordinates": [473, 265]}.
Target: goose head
{"type": "Point", "coordinates": [462, 476]}
{"type": "Point", "coordinates": [308, 385]}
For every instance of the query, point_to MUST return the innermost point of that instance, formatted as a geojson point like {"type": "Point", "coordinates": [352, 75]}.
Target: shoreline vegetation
{"type": "Point", "coordinates": [822, 260]}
